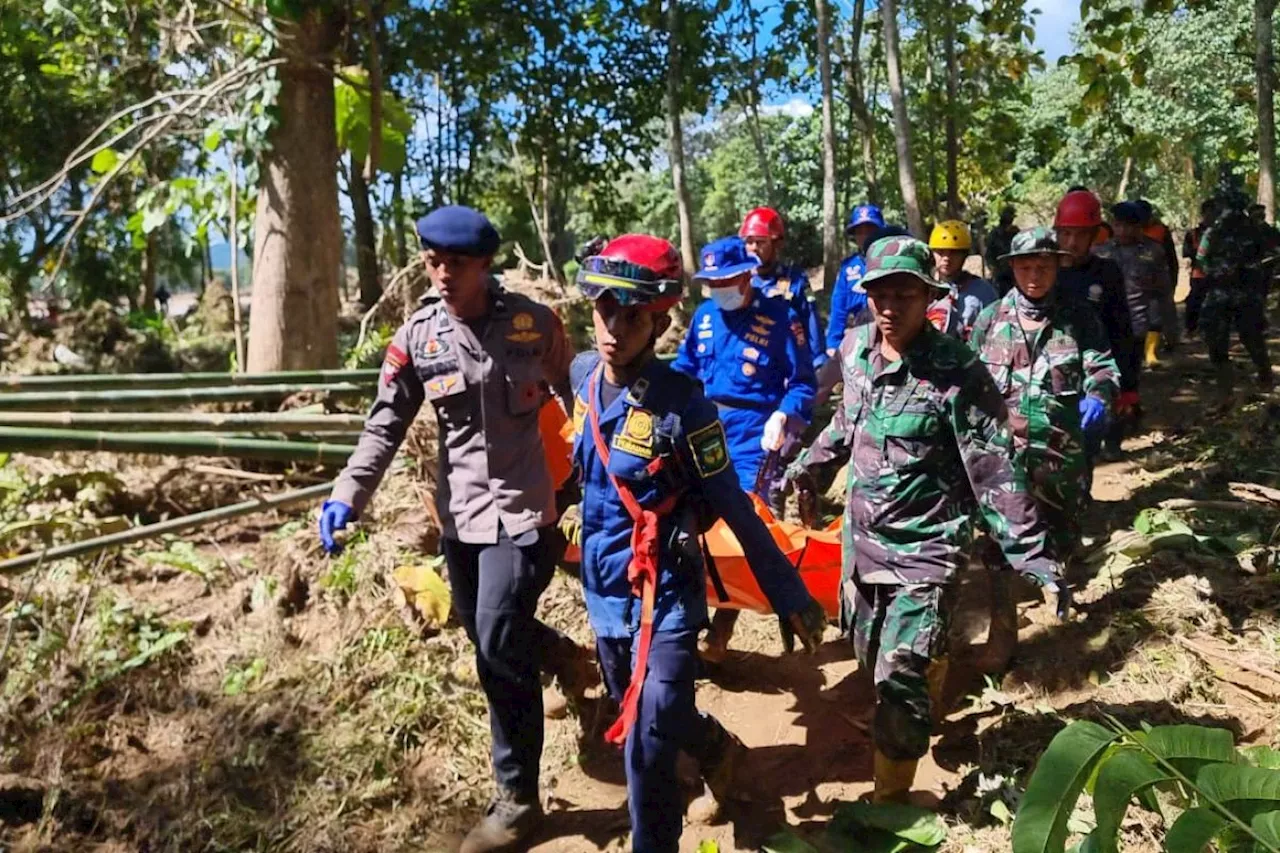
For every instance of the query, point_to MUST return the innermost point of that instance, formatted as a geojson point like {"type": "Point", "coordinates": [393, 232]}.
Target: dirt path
{"type": "Point", "coordinates": [808, 726]}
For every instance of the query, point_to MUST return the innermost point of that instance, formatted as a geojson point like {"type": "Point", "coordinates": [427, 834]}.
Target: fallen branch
{"type": "Point", "coordinates": [1228, 506]}
{"type": "Point", "coordinates": [1256, 493]}
{"type": "Point", "coordinates": [1204, 651]}
{"type": "Point", "coordinates": [396, 281]}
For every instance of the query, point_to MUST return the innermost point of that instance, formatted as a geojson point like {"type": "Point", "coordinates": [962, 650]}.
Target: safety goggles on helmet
{"type": "Point", "coordinates": [630, 284]}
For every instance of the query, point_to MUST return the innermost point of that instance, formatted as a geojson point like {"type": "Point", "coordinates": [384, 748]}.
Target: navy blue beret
{"type": "Point", "coordinates": [459, 229]}
{"type": "Point", "coordinates": [1128, 211]}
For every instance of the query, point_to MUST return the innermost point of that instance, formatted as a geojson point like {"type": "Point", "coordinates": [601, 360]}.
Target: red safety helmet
{"type": "Point", "coordinates": [1078, 209]}
{"type": "Point", "coordinates": [637, 269]}
{"type": "Point", "coordinates": [763, 222]}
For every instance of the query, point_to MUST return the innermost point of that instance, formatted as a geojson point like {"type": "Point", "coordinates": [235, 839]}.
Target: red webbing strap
{"type": "Point", "coordinates": [642, 571]}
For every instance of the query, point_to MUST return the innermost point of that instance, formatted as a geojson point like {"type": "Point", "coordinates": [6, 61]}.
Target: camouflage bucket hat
{"type": "Point", "coordinates": [900, 255]}
{"type": "Point", "coordinates": [1034, 241]}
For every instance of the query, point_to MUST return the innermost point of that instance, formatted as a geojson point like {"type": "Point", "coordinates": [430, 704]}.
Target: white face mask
{"type": "Point", "coordinates": [728, 298]}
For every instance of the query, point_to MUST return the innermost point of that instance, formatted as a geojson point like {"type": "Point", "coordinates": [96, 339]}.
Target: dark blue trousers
{"type": "Point", "coordinates": [668, 722]}
{"type": "Point", "coordinates": [495, 592]}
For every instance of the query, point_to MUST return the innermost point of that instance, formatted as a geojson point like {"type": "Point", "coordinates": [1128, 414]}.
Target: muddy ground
{"type": "Point", "coordinates": [236, 690]}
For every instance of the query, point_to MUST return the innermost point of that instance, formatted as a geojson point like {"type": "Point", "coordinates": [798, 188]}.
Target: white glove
{"type": "Point", "coordinates": [774, 429]}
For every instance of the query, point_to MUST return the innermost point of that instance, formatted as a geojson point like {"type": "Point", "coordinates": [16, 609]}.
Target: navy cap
{"type": "Point", "coordinates": [725, 258]}
{"type": "Point", "coordinates": [458, 229]}
{"type": "Point", "coordinates": [1128, 211]}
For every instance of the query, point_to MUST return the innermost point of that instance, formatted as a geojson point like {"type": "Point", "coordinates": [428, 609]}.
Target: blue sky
{"type": "Point", "coordinates": [1053, 27]}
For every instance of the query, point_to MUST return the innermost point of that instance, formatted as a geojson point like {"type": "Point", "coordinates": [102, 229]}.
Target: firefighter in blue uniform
{"type": "Point", "coordinates": [764, 233]}
{"type": "Point", "coordinates": [652, 460]}
{"type": "Point", "coordinates": [847, 296]}
{"type": "Point", "coordinates": [751, 364]}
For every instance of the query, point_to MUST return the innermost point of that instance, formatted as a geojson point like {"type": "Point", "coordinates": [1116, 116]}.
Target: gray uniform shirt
{"type": "Point", "coordinates": [487, 379]}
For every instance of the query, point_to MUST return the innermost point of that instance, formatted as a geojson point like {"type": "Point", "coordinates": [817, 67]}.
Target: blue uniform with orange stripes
{"type": "Point", "coordinates": [664, 443]}
{"type": "Point", "coordinates": [791, 285]}
{"type": "Point", "coordinates": [751, 364]}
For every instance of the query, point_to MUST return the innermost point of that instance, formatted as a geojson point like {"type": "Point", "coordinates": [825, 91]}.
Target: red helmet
{"type": "Point", "coordinates": [1078, 209]}
{"type": "Point", "coordinates": [636, 269]}
{"type": "Point", "coordinates": [763, 222]}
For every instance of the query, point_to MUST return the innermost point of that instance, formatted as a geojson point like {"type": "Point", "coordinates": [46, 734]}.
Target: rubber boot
{"type": "Point", "coordinates": [892, 779]}
{"type": "Point", "coordinates": [506, 825]}
{"type": "Point", "coordinates": [573, 670]}
{"type": "Point", "coordinates": [1002, 636]}
{"type": "Point", "coordinates": [720, 763]}
{"type": "Point", "coordinates": [713, 648]}
{"type": "Point", "coordinates": [1153, 349]}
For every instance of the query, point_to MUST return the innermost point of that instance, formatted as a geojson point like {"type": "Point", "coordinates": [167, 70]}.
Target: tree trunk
{"type": "Point", "coordinates": [857, 96]}
{"type": "Point", "coordinates": [366, 237]}
{"type": "Point", "coordinates": [753, 107]}
{"type": "Point", "coordinates": [901, 123]}
{"type": "Point", "coordinates": [831, 248]}
{"type": "Point", "coordinates": [297, 247]}
{"type": "Point", "coordinates": [147, 291]}
{"type": "Point", "coordinates": [930, 109]}
{"type": "Point", "coordinates": [233, 240]}
{"type": "Point", "coordinates": [1124, 178]}
{"type": "Point", "coordinates": [1262, 37]}
{"type": "Point", "coordinates": [397, 221]}
{"type": "Point", "coordinates": [953, 85]}
{"type": "Point", "coordinates": [675, 145]}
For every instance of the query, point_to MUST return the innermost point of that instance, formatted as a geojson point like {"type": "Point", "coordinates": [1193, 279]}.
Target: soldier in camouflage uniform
{"type": "Point", "coordinates": [928, 436]}
{"type": "Point", "coordinates": [1230, 254]}
{"type": "Point", "coordinates": [1049, 356]}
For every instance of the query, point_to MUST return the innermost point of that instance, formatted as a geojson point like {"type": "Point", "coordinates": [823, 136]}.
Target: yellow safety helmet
{"type": "Point", "coordinates": [951, 234]}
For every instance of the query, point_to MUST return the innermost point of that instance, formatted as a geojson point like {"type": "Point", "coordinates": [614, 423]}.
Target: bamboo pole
{"type": "Point", "coordinates": [150, 531]}
{"type": "Point", "coordinates": [282, 422]}
{"type": "Point", "coordinates": [44, 440]}
{"type": "Point", "coordinates": [166, 397]}
{"type": "Point", "coordinates": [142, 381]}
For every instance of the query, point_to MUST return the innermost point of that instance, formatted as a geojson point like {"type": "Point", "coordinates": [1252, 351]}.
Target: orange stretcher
{"type": "Point", "coordinates": [815, 553]}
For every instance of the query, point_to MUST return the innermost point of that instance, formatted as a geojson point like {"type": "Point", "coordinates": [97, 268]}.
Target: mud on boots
{"type": "Point", "coordinates": [950, 456]}
{"type": "Point", "coordinates": [756, 367]}
{"type": "Point", "coordinates": [652, 460]}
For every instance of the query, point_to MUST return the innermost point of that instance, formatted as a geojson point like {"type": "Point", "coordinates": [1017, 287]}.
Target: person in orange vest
{"type": "Point", "coordinates": [653, 462]}
{"type": "Point", "coordinates": [1157, 231]}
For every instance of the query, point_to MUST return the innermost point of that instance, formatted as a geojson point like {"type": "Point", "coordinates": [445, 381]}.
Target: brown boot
{"type": "Point", "coordinates": [893, 779]}
{"type": "Point", "coordinates": [721, 767]}
{"type": "Point", "coordinates": [713, 648]}
{"type": "Point", "coordinates": [574, 671]}
{"type": "Point", "coordinates": [509, 820]}
{"type": "Point", "coordinates": [1002, 636]}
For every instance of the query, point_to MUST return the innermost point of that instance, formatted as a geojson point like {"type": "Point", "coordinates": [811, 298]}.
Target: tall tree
{"type": "Point", "coordinates": [856, 95]}
{"type": "Point", "coordinates": [830, 231]}
{"type": "Point", "coordinates": [1264, 57]}
{"type": "Point", "coordinates": [901, 122]}
{"type": "Point", "coordinates": [952, 105]}
{"type": "Point", "coordinates": [675, 139]}
{"type": "Point", "coordinates": [297, 245]}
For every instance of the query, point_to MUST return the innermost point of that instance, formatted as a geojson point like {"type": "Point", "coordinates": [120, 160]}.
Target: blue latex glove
{"type": "Point", "coordinates": [334, 515]}
{"type": "Point", "coordinates": [1093, 414]}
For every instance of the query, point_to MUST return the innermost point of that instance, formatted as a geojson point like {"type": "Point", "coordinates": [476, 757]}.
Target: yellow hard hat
{"type": "Point", "coordinates": [951, 234]}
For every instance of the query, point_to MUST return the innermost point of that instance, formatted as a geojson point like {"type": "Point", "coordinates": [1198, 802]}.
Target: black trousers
{"type": "Point", "coordinates": [495, 593]}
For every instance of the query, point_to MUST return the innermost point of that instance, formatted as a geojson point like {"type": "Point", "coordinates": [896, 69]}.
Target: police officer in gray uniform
{"type": "Point", "coordinates": [486, 360]}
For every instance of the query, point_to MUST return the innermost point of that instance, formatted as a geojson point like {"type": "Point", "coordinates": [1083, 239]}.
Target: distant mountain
{"type": "Point", "coordinates": [221, 255]}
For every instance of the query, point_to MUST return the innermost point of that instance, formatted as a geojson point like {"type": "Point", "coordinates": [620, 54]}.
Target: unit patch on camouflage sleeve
{"type": "Point", "coordinates": [394, 361]}
{"type": "Point", "coordinates": [710, 452]}
{"type": "Point", "coordinates": [636, 435]}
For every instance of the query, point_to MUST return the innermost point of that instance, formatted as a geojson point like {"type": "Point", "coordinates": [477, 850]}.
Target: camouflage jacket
{"type": "Point", "coordinates": [1042, 375]}
{"type": "Point", "coordinates": [927, 434]}
{"type": "Point", "coordinates": [1145, 272]}
{"type": "Point", "coordinates": [1232, 250]}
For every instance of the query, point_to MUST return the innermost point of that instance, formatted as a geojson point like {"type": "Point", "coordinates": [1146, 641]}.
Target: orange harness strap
{"type": "Point", "coordinates": [642, 572]}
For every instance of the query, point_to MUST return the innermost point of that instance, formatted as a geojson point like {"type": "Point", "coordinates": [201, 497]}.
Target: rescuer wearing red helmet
{"type": "Point", "coordinates": [764, 233]}
{"type": "Point", "coordinates": [654, 466]}
{"type": "Point", "coordinates": [1100, 282]}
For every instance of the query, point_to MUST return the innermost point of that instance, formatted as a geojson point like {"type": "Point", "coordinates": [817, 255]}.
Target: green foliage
{"type": "Point", "coordinates": [1222, 797]}
{"type": "Point", "coordinates": [242, 679]}
{"type": "Point", "coordinates": [182, 555]}
{"type": "Point", "coordinates": [352, 109]}
{"type": "Point", "coordinates": [869, 827]}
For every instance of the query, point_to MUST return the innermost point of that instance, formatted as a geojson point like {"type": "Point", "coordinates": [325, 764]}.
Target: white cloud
{"type": "Point", "coordinates": [796, 108]}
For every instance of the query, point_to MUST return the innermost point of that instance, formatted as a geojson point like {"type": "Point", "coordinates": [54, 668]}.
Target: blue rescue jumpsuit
{"type": "Point", "coordinates": [791, 285]}
{"type": "Point", "coordinates": [663, 440]}
{"type": "Point", "coordinates": [751, 364]}
{"type": "Point", "coordinates": [847, 299]}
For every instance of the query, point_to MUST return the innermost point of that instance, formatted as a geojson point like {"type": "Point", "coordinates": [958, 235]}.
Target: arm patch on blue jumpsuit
{"type": "Point", "coordinates": [710, 451]}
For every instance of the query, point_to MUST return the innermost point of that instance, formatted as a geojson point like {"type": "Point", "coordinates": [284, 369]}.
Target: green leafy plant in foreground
{"type": "Point", "coordinates": [1227, 796]}
{"type": "Point", "coordinates": [867, 828]}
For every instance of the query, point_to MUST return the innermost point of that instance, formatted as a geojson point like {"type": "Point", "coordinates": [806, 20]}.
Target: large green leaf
{"type": "Point", "coordinates": [910, 823]}
{"type": "Point", "coordinates": [352, 107]}
{"type": "Point", "coordinates": [1189, 748]}
{"type": "Point", "coordinates": [1123, 775]}
{"type": "Point", "coordinates": [1267, 827]}
{"type": "Point", "coordinates": [1229, 782]}
{"type": "Point", "coordinates": [1193, 830]}
{"type": "Point", "coordinates": [1041, 823]}
{"type": "Point", "coordinates": [787, 841]}
{"type": "Point", "coordinates": [1262, 756]}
